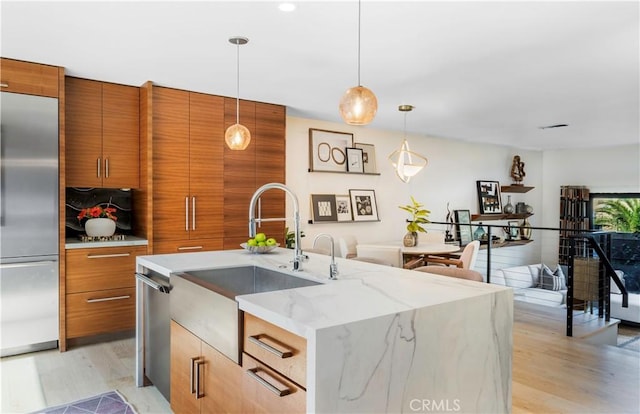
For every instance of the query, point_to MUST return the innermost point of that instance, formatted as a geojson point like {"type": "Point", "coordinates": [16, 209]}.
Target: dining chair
{"type": "Point", "coordinates": [467, 259]}
{"type": "Point", "coordinates": [431, 236]}
{"type": "Point", "coordinates": [388, 254]}
{"type": "Point", "coordinates": [456, 272]}
{"type": "Point", "coordinates": [347, 246]}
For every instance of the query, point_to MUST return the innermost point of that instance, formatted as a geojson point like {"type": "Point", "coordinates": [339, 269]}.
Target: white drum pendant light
{"type": "Point", "coordinates": [238, 136]}
{"type": "Point", "coordinates": [406, 163]}
{"type": "Point", "coordinates": [358, 105]}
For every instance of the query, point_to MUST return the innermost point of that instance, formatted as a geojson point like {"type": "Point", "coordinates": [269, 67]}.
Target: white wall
{"type": "Point", "coordinates": [602, 170]}
{"type": "Point", "coordinates": [450, 176]}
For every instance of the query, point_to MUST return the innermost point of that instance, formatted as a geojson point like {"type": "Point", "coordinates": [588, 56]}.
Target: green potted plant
{"type": "Point", "coordinates": [418, 217]}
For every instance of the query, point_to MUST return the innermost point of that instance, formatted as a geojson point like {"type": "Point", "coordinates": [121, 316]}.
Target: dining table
{"type": "Point", "coordinates": [414, 256]}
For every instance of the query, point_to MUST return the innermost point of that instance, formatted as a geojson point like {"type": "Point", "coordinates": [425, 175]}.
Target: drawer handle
{"type": "Point", "coordinates": [108, 299]}
{"type": "Point", "coordinates": [256, 340]}
{"type": "Point", "coordinates": [277, 391]}
{"type": "Point", "coordinates": [190, 248]}
{"type": "Point", "coordinates": [105, 256]}
{"type": "Point", "coordinates": [4, 85]}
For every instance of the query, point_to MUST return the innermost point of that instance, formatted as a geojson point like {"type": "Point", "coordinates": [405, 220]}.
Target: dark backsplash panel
{"type": "Point", "coordinates": [79, 198]}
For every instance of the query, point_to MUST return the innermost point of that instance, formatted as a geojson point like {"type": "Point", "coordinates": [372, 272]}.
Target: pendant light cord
{"type": "Point", "coordinates": [237, 82]}
{"type": "Point", "coordinates": [359, 13]}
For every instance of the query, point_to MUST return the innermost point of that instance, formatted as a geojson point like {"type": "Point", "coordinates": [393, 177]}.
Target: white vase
{"type": "Point", "coordinates": [100, 227]}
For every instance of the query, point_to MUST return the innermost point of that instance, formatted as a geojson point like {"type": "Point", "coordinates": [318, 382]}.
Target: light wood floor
{"type": "Point", "coordinates": [551, 374]}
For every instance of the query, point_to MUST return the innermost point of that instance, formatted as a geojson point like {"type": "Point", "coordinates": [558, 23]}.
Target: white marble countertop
{"type": "Point", "coordinates": [74, 243]}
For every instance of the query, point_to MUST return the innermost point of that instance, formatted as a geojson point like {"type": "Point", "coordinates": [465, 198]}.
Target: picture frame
{"type": "Point", "coordinates": [323, 208]}
{"type": "Point", "coordinates": [363, 205]}
{"type": "Point", "coordinates": [489, 198]}
{"type": "Point", "coordinates": [343, 207]}
{"type": "Point", "coordinates": [327, 150]}
{"type": "Point", "coordinates": [464, 234]}
{"type": "Point", "coordinates": [514, 230]}
{"type": "Point", "coordinates": [354, 160]}
{"type": "Point", "coordinates": [368, 157]}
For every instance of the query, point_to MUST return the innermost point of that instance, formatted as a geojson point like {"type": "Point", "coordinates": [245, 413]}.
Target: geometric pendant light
{"type": "Point", "coordinates": [406, 163]}
{"type": "Point", "coordinates": [358, 105]}
{"type": "Point", "coordinates": [237, 136]}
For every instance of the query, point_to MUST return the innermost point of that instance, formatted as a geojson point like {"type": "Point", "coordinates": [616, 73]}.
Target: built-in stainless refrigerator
{"type": "Point", "coordinates": [28, 223]}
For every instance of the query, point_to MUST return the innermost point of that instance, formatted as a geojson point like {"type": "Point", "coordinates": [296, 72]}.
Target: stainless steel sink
{"type": "Point", "coordinates": [203, 301]}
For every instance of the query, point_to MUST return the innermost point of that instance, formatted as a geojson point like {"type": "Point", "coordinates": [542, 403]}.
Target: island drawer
{"type": "Point", "coordinates": [276, 347]}
{"type": "Point", "coordinates": [90, 313]}
{"type": "Point", "coordinates": [266, 391]}
{"type": "Point", "coordinates": [101, 268]}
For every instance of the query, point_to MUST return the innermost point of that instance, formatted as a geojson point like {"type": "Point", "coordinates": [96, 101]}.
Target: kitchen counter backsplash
{"type": "Point", "coordinates": [79, 198]}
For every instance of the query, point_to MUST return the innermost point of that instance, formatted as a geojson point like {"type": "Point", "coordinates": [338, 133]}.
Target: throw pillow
{"type": "Point", "coordinates": [551, 280]}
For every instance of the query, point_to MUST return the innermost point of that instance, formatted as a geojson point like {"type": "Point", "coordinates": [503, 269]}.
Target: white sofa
{"type": "Point", "coordinates": [524, 281]}
{"type": "Point", "coordinates": [630, 314]}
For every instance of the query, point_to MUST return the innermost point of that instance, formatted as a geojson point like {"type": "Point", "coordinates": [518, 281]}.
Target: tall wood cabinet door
{"type": "Point", "coordinates": [270, 165]}
{"type": "Point", "coordinates": [222, 383]}
{"type": "Point", "coordinates": [206, 181]}
{"type": "Point", "coordinates": [83, 132]}
{"type": "Point", "coordinates": [120, 136]}
{"type": "Point", "coordinates": [170, 164]}
{"type": "Point", "coordinates": [239, 176]}
{"type": "Point", "coordinates": [184, 348]}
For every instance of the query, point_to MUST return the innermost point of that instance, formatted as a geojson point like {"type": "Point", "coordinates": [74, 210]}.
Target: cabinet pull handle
{"type": "Point", "coordinates": [190, 248]}
{"type": "Point", "coordinates": [199, 363]}
{"type": "Point", "coordinates": [108, 299]}
{"type": "Point", "coordinates": [4, 85]}
{"type": "Point", "coordinates": [191, 372]}
{"type": "Point", "coordinates": [106, 167]}
{"type": "Point", "coordinates": [104, 256]}
{"type": "Point", "coordinates": [99, 167]}
{"type": "Point", "coordinates": [186, 214]}
{"type": "Point", "coordinates": [277, 391]}
{"type": "Point", "coordinates": [256, 340]}
{"type": "Point", "coordinates": [193, 213]}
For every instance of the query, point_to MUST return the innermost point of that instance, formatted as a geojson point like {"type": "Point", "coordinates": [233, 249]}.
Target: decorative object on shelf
{"type": "Point", "coordinates": [521, 208]}
{"type": "Point", "coordinates": [100, 227]}
{"type": "Point", "coordinates": [323, 207]}
{"type": "Point", "coordinates": [354, 160]}
{"type": "Point", "coordinates": [418, 217]}
{"type": "Point", "coordinates": [327, 150]}
{"type": "Point", "coordinates": [406, 163]}
{"type": "Point", "coordinates": [514, 230]}
{"type": "Point", "coordinates": [363, 204]}
{"type": "Point", "coordinates": [528, 209]}
{"type": "Point", "coordinates": [489, 197]}
{"type": "Point", "coordinates": [343, 208]}
{"type": "Point", "coordinates": [508, 208]}
{"type": "Point", "coordinates": [358, 105]}
{"type": "Point", "coordinates": [290, 238]}
{"type": "Point", "coordinates": [479, 233]}
{"type": "Point", "coordinates": [463, 229]}
{"type": "Point", "coordinates": [368, 157]}
{"type": "Point", "coordinates": [448, 237]}
{"type": "Point", "coordinates": [237, 136]}
{"type": "Point", "coordinates": [525, 230]}
{"type": "Point", "coordinates": [517, 170]}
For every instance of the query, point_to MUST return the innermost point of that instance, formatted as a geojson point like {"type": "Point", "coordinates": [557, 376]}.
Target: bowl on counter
{"type": "Point", "coordinates": [258, 249]}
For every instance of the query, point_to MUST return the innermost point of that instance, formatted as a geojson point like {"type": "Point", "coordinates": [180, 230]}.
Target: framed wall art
{"type": "Point", "coordinates": [463, 226]}
{"type": "Point", "coordinates": [489, 198]}
{"type": "Point", "coordinates": [354, 160]}
{"type": "Point", "coordinates": [368, 157]}
{"type": "Point", "coordinates": [323, 207]}
{"type": "Point", "coordinates": [343, 208]}
{"type": "Point", "coordinates": [327, 150]}
{"type": "Point", "coordinates": [363, 203]}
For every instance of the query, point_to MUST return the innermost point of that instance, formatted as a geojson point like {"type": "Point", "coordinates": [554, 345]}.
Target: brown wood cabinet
{"type": "Point", "coordinates": [100, 290]}
{"type": "Point", "coordinates": [29, 78]}
{"type": "Point", "coordinates": [187, 167]}
{"type": "Point", "coordinates": [202, 379]}
{"type": "Point", "coordinates": [102, 147]}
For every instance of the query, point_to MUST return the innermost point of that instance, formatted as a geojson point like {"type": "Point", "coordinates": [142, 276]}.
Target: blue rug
{"type": "Point", "coordinates": [108, 403]}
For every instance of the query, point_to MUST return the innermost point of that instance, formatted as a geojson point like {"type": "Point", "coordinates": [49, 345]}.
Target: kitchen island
{"type": "Point", "coordinates": [381, 339]}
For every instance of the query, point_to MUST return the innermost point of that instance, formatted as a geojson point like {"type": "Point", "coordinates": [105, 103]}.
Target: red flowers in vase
{"type": "Point", "coordinates": [97, 212]}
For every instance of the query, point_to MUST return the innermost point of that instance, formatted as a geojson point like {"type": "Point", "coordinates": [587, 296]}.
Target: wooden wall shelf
{"type": "Point", "coordinates": [515, 189]}
{"type": "Point", "coordinates": [489, 217]}
{"type": "Point", "coordinates": [506, 243]}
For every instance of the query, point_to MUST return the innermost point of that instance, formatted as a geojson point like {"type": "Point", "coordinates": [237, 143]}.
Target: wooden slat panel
{"type": "Point", "coordinates": [83, 107]}
{"type": "Point", "coordinates": [206, 181]}
{"type": "Point", "coordinates": [29, 78]}
{"type": "Point", "coordinates": [170, 163]}
{"type": "Point", "coordinates": [142, 203]}
{"type": "Point", "coordinates": [84, 318]}
{"type": "Point", "coordinates": [120, 135]}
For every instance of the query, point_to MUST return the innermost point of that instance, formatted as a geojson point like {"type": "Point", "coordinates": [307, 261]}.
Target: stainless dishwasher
{"type": "Point", "coordinates": [153, 330]}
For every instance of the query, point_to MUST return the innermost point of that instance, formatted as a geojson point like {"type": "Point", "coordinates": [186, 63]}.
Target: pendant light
{"type": "Point", "coordinates": [237, 136]}
{"type": "Point", "coordinates": [358, 105]}
{"type": "Point", "coordinates": [405, 162]}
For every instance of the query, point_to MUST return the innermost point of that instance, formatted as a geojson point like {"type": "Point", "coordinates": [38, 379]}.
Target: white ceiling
{"type": "Point", "coordinates": [477, 71]}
